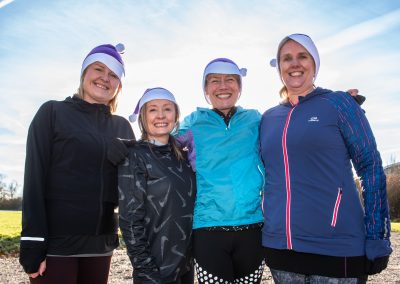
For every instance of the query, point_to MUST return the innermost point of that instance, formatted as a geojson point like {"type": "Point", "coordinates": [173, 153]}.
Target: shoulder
{"type": "Point", "coordinates": [249, 114]}
{"type": "Point", "coordinates": [120, 119]}
{"type": "Point", "coordinates": [341, 100]}
{"type": "Point", "coordinates": [248, 111]}
{"type": "Point", "coordinates": [198, 114]}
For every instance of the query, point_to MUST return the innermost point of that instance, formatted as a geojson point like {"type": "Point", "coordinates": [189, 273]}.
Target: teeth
{"type": "Point", "coordinates": [297, 73]}
{"type": "Point", "coordinates": [160, 124]}
{"type": "Point", "coordinates": [101, 86]}
{"type": "Point", "coordinates": [223, 96]}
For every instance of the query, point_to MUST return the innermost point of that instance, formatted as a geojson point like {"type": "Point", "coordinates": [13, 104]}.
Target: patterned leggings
{"type": "Point", "coordinates": [281, 277]}
{"type": "Point", "coordinates": [228, 256]}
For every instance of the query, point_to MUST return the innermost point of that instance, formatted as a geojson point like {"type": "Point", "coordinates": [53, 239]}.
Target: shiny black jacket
{"type": "Point", "coordinates": [157, 193]}
{"type": "Point", "coordinates": [70, 188]}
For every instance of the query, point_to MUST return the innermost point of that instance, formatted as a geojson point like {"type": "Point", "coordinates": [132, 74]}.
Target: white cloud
{"type": "Point", "coordinates": [359, 32]}
{"type": "Point", "coordinates": [5, 2]}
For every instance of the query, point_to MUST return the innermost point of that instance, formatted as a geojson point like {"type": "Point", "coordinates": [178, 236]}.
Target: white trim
{"type": "Point", "coordinates": [32, 239]}
{"type": "Point", "coordinates": [106, 59]}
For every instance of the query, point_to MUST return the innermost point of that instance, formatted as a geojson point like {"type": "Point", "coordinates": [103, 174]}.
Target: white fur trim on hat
{"type": "Point", "coordinates": [222, 66]}
{"type": "Point", "coordinates": [149, 95]}
{"type": "Point", "coordinates": [107, 60]}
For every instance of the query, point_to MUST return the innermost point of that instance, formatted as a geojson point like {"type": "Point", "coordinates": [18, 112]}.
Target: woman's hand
{"type": "Point", "coordinates": [42, 269]}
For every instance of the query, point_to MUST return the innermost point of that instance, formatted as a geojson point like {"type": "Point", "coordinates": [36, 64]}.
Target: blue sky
{"type": "Point", "coordinates": [168, 43]}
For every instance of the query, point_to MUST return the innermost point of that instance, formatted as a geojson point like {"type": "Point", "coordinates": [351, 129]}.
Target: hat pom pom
{"type": "Point", "coordinates": [243, 71]}
{"type": "Point", "coordinates": [120, 48]}
{"type": "Point", "coordinates": [273, 62]}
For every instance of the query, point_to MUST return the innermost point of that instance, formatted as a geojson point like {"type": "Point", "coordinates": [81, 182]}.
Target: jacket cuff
{"type": "Point", "coordinates": [30, 258]}
{"type": "Point", "coordinates": [377, 248]}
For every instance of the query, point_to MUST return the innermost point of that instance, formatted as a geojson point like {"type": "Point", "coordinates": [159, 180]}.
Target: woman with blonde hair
{"type": "Point", "coordinates": [69, 224]}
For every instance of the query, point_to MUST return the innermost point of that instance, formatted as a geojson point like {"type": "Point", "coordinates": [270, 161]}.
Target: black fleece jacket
{"type": "Point", "coordinates": [70, 188]}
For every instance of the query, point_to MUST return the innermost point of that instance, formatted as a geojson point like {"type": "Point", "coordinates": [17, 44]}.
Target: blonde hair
{"type": "Point", "coordinates": [113, 103]}
{"type": "Point", "coordinates": [142, 121]}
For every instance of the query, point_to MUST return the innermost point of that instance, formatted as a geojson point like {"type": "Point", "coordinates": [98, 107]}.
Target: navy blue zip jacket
{"type": "Point", "coordinates": [311, 203]}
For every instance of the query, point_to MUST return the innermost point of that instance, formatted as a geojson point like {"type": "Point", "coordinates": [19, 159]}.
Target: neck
{"type": "Point", "coordinates": [159, 141]}
{"type": "Point", "coordinates": [294, 95]}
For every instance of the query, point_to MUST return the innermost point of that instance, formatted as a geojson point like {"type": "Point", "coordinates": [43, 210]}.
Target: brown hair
{"type": "Point", "coordinates": [112, 104]}
{"type": "Point", "coordinates": [142, 122]}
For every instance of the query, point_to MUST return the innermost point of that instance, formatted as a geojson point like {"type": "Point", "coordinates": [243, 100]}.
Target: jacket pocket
{"type": "Point", "coordinates": [336, 208]}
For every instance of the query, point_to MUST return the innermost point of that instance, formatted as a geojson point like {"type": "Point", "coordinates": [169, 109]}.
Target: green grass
{"type": "Point", "coordinates": [10, 229]}
{"type": "Point", "coordinates": [395, 227]}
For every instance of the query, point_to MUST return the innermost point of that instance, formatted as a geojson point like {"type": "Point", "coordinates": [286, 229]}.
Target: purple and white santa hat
{"type": "Point", "coordinates": [306, 42]}
{"type": "Point", "coordinates": [222, 66]}
{"type": "Point", "coordinates": [109, 55]}
{"type": "Point", "coordinates": [157, 93]}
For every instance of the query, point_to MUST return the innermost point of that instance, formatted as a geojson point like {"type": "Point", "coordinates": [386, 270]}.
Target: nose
{"type": "Point", "coordinates": [222, 84]}
{"type": "Point", "coordinates": [105, 77]}
{"type": "Point", "coordinates": [160, 114]}
{"type": "Point", "coordinates": [295, 62]}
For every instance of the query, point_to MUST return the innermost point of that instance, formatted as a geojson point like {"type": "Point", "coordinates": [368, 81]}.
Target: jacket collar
{"type": "Point", "coordinates": [87, 107]}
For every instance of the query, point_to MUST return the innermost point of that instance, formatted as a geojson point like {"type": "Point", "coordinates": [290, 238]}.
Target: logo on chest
{"type": "Point", "coordinates": [313, 119]}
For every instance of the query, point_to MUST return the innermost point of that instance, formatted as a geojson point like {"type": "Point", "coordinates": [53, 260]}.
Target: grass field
{"type": "Point", "coordinates": [10, 228]}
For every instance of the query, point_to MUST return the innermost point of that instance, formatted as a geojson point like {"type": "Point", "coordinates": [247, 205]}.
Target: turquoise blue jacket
{"type": "Point", "coordinates": [229, 171]}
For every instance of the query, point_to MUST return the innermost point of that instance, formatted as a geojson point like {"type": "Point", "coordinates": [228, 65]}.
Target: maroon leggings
{"type": "Point", "coordinates": [75, 270]}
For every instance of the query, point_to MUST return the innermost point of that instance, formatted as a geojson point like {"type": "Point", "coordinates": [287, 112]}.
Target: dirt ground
{"type": "Point", "coordinates": [11, 272]}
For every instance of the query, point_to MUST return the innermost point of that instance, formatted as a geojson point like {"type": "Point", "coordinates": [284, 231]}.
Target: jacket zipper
{"type": "Point", "coordinates": [336, 208]}
{"type": "Point", "coordinates": [99, 222]}
{"type": "Point", "coordinates": [262, 188]}
{"type": "Point", "coordinates": [287, 180]}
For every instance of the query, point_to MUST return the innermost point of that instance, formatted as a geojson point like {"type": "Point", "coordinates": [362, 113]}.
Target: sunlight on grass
{"type": "Point", "coordinates": [10, 223]}
{"type": "Point", "coordinates": [395, 227]}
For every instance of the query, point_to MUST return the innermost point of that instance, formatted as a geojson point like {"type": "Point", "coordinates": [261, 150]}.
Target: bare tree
{"type": "Point", "coordinates": [392, 159]}
{"type": "Point", "coordinates": [3, 186]}
{"type": "Point", "coordinates": [12, 188]}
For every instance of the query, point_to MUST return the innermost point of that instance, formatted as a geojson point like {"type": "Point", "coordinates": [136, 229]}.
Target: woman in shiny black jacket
{"type": "Point", "coordinates": [157, 192]}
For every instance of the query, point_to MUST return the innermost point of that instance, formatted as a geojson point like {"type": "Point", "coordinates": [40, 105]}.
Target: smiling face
{"type": "Point", "coordinates": [160, 117]}
{"type": "Point", "coordinates": [100, 84]}
{"type": "Point", "coordinates": [296, 68]}
{"type": "Point", "coordinates": [223, 91]}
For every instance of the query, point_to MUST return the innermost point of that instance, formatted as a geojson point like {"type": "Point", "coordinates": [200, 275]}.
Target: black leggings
{"type": "Point", "coordinates": [233, 256]}
{"type": "Point", "coordinates": [75, 270]}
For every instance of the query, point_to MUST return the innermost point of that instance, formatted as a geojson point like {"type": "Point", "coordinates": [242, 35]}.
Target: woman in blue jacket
{"type": "Point", "coordinates": [315, 227]}
{"type": "Point", "coordinates": [223, 145]}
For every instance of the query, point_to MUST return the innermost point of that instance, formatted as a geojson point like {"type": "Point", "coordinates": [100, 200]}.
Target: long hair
{"type": "Point", "coordinates": [142, 121]}
{"type": "Point", "coordinates": [112, 104]}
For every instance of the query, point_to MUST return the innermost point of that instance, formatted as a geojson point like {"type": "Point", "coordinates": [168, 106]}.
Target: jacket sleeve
{"type": "Point", "coordinates": [367, 162]}
{"type": "Point", "coordinates": [132, 185]}
{"type": "Point", "coordinates": [38, 158]}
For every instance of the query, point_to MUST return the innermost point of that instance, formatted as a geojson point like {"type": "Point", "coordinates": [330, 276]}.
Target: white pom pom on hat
{"type": "Point", "coordinates": [120, 47]}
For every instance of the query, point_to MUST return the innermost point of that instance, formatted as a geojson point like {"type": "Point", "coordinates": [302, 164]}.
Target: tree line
{"type": "Point", "coordinates": [8, 198]}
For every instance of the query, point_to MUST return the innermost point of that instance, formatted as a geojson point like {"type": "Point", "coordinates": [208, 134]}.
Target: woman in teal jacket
{"type": "Point", "coordinates": [223, 145]}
